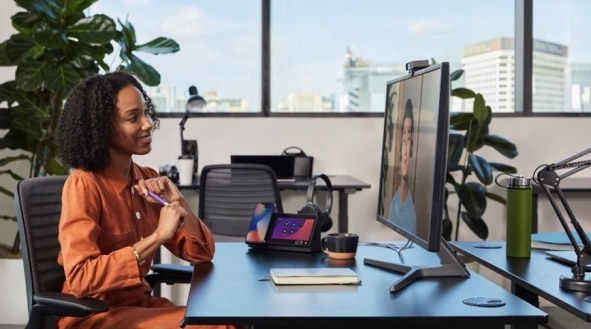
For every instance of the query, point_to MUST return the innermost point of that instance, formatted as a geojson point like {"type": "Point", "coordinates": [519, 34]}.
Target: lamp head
{"type": "Point", "coordinates": [195, 103]}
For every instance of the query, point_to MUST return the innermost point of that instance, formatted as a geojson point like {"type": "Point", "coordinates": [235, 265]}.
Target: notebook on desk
{"type": "Point", "coordinates": [282, 165]}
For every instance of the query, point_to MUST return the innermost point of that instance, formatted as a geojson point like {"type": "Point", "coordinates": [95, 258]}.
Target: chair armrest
{"type": "Point", "coordinates": [169, 274]}
{"type": "Point", "coordinates": [68, 305]}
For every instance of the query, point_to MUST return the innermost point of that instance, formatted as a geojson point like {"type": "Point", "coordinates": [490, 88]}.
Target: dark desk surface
{"type": "Point", "coordinates": [339, 182]}
{"type": "Point", "coordinates": [228, 291]}
{"type": "Point", "coordinates": [538, 275]}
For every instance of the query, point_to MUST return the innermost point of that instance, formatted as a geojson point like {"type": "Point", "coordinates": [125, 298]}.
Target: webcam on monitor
{"type": "Point", "coordinates": [417, 65]}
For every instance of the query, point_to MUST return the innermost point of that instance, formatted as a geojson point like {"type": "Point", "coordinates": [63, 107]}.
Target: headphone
{"type": "Point", "coordinates": [324, 219]}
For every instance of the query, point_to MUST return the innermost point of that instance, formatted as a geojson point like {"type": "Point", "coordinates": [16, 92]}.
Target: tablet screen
{"type": "Point", "coordinates": [292, 228]}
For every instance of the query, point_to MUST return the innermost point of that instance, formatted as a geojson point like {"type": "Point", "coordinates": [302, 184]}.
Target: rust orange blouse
{"type": "Point", "coordinates": [102, 216]}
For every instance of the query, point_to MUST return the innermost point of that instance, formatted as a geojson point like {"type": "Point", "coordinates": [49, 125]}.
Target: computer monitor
{"type": "Point", "coordinates": [413, 167]}
{"type": "Point", "coordinates": [283, 166]}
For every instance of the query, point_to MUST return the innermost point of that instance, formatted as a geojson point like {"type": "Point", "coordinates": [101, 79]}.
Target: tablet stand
{"type": "Point", "coordinates": [290, 245]}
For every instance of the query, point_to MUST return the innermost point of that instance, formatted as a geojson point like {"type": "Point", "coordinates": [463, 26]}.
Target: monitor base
{"type": "Point", "coordinates": [450, 266]}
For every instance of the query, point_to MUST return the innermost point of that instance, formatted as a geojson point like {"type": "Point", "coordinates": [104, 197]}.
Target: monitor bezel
{"type": "Point", "coordinates": [433, 240]}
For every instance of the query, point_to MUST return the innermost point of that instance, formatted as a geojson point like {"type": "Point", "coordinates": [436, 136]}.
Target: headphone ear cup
{"type": "Point", "coordinates": [323, 217]}
{"type": "Point", "coordinates": [309, 208]}
{"type": "Point", "coordinates": [326, 222]}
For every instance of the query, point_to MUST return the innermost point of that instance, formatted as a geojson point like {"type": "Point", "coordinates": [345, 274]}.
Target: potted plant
{"type": "Point", "coordinates": [55, 47]}
{"type": "Point", "coordinates": [464, 164]}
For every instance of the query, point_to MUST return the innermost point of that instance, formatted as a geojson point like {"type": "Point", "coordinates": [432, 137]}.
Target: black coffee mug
{"type": "Point", "coordinates": [340, 245]}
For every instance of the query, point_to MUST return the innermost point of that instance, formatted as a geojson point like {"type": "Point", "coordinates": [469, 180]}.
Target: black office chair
{"type": "Point", "coordinates": [38, 207]}
{"type": "Point", "coordinates": [228, 194]}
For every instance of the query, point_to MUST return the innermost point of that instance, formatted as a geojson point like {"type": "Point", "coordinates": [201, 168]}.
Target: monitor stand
{"type": "Point", "coordinates": [450, 266]}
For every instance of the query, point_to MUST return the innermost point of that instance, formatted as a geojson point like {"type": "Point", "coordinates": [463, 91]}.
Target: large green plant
{"type": "Point", "coordinates": [56, 47]}
{"type": "Point", "coordinates": [464, 164]}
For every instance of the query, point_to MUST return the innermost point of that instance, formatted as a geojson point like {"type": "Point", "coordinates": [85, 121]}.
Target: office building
{"type": "Point", "coordinates": [163, 97]}
{"type": "Point", "coordinates": [365, 83]}
{"type": "Point", "coordinates": [580, 87]}
{"type": "Point", "coordinates": [490, 68]}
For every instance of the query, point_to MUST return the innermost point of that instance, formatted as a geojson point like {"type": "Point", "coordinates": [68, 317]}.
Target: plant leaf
{"type": "Point", "coordinates": [17, 49]}
{"type": "Point", "coordinates": [463, 93]}
{"type": "Point", "coordinates": [143, 71]}
{"type": "Point", "coordinates": [62, 78]}
{"type": "Point", "coordinates": [501, 144]}
{"type": "Point", "coordinates": [503, 167]}
{"type": "Point", "coordinates": [24, 20]}
{"type": "Point", "coordinates": [455, 150]}
{"type": "Point", "coordinates": [473, 198]}
{"type": "Point", "coordinates": [78, 6]}
{"type": "Point", "coordinates": [481, 168]}
{"type": "Point", "coordinates": [496, 198]}
{"type": "Point", "coordinates": [460, 120]}
{"type": "Point", "coordinates": [446, 229]}
{"type": "Point", "coordinates": [95, 30]}
{"type": "Point", "coordinates": [159, 46]}
{"type": "Point", "coordinates": [477, 225]}
{"type": "Point", "coordinates": [455, 75]}
{"type": "Point", "coordinates": [480, 112]}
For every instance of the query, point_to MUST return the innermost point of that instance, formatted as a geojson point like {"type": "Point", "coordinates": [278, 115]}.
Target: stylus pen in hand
{"type": "Point", "coordinates": [158, 198]}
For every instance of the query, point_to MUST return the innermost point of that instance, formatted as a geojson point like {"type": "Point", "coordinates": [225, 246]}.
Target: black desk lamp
{"type": "Point", "coordinates": [195, 103]}
{"type": "Point", "coordinates": [548, 177]}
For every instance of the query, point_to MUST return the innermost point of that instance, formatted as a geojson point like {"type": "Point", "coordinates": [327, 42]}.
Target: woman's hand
{"type": "Point", "coordinates": [161, 186]}
{"type": "Point", "coordinates": [172, 219]}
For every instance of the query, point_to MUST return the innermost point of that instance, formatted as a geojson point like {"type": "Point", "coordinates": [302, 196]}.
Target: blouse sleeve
{"type": "Point", "coordinates": [192, 249]}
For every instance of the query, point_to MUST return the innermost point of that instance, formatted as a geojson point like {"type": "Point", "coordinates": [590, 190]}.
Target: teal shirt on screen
{"type": "Point", "coordinates": [403, 215]}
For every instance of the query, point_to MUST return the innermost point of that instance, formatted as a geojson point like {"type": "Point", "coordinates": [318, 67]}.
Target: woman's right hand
{"type": "Point", "coordinates": [171, 220]}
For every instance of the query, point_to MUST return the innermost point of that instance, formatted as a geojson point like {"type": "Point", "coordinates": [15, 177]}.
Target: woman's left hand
{"type": "Point", "coordinates": [162, 186]}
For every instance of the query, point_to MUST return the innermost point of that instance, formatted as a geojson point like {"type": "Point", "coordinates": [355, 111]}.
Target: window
{"type": "Point", "coordinates": [561, 56]}
{"type": "Point", "coordinates": [337, 55]}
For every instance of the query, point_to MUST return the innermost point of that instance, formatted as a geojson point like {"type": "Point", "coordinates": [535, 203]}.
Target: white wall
{"type": "Point", "coordinates": [7, 229]}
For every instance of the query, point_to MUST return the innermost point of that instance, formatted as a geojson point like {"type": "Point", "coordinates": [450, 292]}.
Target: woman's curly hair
{"type": "Point", "coordinates": [85, 124]}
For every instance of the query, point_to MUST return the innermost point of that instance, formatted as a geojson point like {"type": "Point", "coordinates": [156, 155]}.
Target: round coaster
{"type": "Point", "coordinates": [487, 246]}
{"type": "Point", "coordinates": [483, 302]}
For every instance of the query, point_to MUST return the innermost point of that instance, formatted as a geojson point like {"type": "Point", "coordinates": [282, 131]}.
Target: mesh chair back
{"type": "Point", "coordinates": [228, 194]}
{"type": "Point", "coordinates": [38, 203]}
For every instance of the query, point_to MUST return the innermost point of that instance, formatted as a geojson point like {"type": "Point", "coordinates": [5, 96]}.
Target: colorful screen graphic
{"type": "Point", "coordinates": [293, 229]}
{"type": "Point", "coordinates": [259, 222]}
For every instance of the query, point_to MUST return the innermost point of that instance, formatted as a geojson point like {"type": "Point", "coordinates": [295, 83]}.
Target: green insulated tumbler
{"type": "Point", "coordinates": [519, 205]}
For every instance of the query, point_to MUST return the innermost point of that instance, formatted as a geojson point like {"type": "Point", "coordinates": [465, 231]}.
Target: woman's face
{"type": "Point", "coordinates": [132, 126]}
{"type": "Point", "coordinates": [406, 144]}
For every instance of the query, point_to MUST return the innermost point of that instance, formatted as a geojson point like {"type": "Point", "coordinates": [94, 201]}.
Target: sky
{"type": "Point", "coordinates": [221, 39]}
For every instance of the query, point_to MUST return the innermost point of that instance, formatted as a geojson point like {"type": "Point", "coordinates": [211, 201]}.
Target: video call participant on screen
{"type": "Point", "coordinates": [110, 228]}
{"type": "Point", "coordinates": [402, 209]}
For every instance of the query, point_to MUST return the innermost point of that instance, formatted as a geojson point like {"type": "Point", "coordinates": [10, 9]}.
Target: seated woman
{"type": "Point", "coordinates": [110, 228]}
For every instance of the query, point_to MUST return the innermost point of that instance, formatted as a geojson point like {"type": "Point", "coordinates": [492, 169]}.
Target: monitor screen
{"type": "Point", "coordinates": [414, 155]}
{"type": "Point", "coordinates": [282, 165]}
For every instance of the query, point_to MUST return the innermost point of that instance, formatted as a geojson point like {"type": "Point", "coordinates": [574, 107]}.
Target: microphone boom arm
{"type": "Point", "coordinates": [548, 178]}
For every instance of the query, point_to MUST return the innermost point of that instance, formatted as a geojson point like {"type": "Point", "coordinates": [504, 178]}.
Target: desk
{"type": "Point", "coordinates": [228, 291]}
{"type": "Point", "coordinates": [343, 184]}
{"type": "Point", "coordinates": [568, 185]}
{"type": "Point", "coordinates": [530, 277]}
